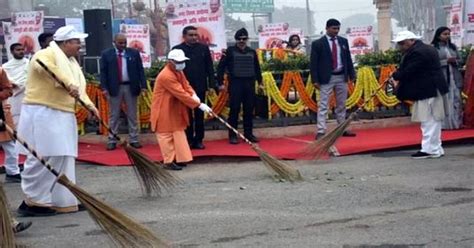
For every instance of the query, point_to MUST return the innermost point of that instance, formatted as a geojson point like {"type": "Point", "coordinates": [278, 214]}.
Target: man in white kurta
{"type": "Point", "coordinates": [48, 124]}
{"type": "Point", "coordinates": [16, 69]}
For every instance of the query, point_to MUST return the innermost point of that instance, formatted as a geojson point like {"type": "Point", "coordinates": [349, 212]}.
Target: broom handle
{"type": "Point", "coordinates": [372, 96]}
{"type": "Point", "coordinates": [14, 135]}
{"type": "Point", "coordinates": [231, 128]}
{"type": "Point", "coordinates": [102, 122]}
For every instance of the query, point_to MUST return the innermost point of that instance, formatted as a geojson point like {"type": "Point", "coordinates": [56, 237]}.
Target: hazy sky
{"type": "Point", "coordinates": [325, 9]}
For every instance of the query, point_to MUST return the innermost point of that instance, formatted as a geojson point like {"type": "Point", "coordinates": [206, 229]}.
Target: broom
{"type": "Point", "coordinates": [122, 230]}
{"type": "Point", "coordinates": [152, 177]}
{"type": "Point", "coordinates": [283, 170]}
{"type": "Point", "coordinates": [320, 147]}
{"type": "Point", "coordinates": [7, 236]}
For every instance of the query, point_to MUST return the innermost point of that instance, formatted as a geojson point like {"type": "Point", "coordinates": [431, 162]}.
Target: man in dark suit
{"type": "Point", "coordinates": [331, 67]}
{"type": "Point", "coordinates": [420, 79]}
{"type": "Point", "coordinates": [199, 71]}
{"type": "Point", "coordinates": [243, 69]}
{"type": "Point", "coordinates": [122, 77]}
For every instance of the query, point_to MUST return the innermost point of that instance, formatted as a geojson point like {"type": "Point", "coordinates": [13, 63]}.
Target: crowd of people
{"type": "Point", "coordinates": [44, 113]}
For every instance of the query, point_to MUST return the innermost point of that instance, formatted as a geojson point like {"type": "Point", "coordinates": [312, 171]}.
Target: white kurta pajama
{"type": "Point", "coordinates": [430, 113]}
{"type": "Point", "coordinates": [16, 70]}
{"type": "Point", "coordinates": [51, 129]}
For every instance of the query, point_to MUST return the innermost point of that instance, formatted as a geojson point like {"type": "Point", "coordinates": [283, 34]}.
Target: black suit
{"type": "Point", "coordinates": [321, 60]}
{"type": "Point", "coordinates": [199, 71]}
{"type": "Point", "coordinates": [329, 78]}
{"type": "Point", "coordinates": [420, 74]}
{"type": "Point", "coordinates": [109, 71]}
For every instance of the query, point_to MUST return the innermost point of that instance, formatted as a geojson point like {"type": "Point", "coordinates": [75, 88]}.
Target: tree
{"type": "Point", "coordinates": [421, 17]}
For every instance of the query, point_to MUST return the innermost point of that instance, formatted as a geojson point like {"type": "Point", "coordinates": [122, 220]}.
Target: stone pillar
{"type": "Point", "coordinates": [384, 21]}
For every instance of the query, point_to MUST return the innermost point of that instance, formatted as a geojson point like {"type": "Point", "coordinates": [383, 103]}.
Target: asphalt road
{"type": "Point", "coordinates": [375, 200]}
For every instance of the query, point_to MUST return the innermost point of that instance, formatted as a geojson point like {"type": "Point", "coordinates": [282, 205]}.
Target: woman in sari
{"type": "Point", "coordinates": [450, 60]}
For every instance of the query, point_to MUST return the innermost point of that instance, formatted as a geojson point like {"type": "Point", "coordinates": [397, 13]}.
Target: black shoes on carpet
{"type": "Point", "coordinates": [113, 146]}
{"type": "Point", "coordinates": [234, 140]}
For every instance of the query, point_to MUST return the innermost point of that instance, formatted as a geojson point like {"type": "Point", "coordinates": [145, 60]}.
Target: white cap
{"type": "Point", "coordinates": [177, 55]}
{"type": "Point", "coordinates": [405, 35]}
{"type": "Point", "coordinates": [68, 33]}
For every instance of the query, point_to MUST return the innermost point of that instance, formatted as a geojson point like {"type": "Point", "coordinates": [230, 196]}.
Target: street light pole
{"type": "Point", "coordinates": [308, 19]}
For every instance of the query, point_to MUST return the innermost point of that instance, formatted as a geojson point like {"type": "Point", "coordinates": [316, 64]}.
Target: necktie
{"type": "Point", "coordinates": [334, 53]}
{"type": "Point", "coordinates": [119, 66]}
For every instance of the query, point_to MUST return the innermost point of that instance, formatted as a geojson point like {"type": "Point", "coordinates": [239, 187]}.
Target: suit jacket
{"type": "Point", "coordinates": [172, 96]}
{"type": "Point", "coordinates": [109, 71]}
{"type": "Point", "coordinates": [321, 60]}
{"type": "Point", "coordinates": [5, 92]}
{"type": "Point", "coordinates": [420, 74]}
{"type": "Point", "coordinates": [199, 68]}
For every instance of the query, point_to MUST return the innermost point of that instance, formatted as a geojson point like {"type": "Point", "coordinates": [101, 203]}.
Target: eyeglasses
{"type": "Point", "coordinates": [243, 38]}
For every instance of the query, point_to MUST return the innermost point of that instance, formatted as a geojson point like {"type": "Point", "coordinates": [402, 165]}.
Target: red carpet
{"type": "Point", "coordinates": [369, 140]}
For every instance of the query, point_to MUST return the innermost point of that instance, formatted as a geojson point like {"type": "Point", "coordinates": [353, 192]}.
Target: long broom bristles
{"type": "Point", "coordinates": [151, 176]}
{"type": "Point", "coordinates": [122, 230]}
{"type": "Point", "coordinates": [154, 177]}
{"type": "Point", "coordinates": [283, 170]}
{"type": "Point", "coordinates": [319, 148]}
{"type": "Point", "coordinates": [7, 236]}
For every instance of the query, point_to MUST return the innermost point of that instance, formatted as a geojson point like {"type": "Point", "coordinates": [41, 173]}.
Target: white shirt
{"type": "Point", "coordinates": [125, 77]}
{"type": "Point", "coordinates": [339, 58]}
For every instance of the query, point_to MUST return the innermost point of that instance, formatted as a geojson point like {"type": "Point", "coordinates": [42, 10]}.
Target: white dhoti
{"type": "Point", "coordinates": [53, 134]}
{"type": "Point", "coordinates": [11, 157]}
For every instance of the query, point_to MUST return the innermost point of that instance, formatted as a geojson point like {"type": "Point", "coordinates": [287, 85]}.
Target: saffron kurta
{"type": "Point", "coordinates": [172, 97]}
{"type": "Point", "coordinates": [5, 92]}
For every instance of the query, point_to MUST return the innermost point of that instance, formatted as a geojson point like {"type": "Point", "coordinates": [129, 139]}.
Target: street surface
{"type": "Point", "coordinates": [375, 200]}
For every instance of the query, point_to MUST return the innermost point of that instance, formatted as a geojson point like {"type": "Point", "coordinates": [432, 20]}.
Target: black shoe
{"type": "Point", "coordinates": [136, 145]}
{"type": "Point", "coordinates": [233, 140]}
{"type": "Point", "coordinates": [181, 164]}
{"type": "Point", "coordinates": [111, 146]}
{"type": "Point", "coordinates": [21, 226]}
{"type": "Point", "coordinates": [198, 145]}
{"type": "Point", "coordinates": [13, 178]}
{"type": "Point", "coordinates": [35, 211]}
{"type": "Point", "coordinates": [80, 207]}
{"type": "Point", "coordinates": [421, 155]}
{"type": "Point", "coordinates": [252, 138]}
{"type": "Point", "coordinates": [348, 134]}
{"type": "Point", "coordinates": [319, 136]}
{"type": "Point", "coordinates": [172, 166]}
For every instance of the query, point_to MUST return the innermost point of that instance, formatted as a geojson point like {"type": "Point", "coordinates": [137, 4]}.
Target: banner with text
{"type": "Point", "coordinates": [469, 23]}
{"type": "Point", "coordinates": [361, 40]}
{"type": "Point", "coordinates": [138, 37]}
{"type": "Point", "coordinates": [25, 28]}
{"type": "Point", "coordinates": [7, 35]}
{"type": "Point", "coordinates": [206, 15]}
{"type": "Point", "coordinates": [275, 35]}
{"type": "Point", "coordinates": [248, 6]}
{"type": "Point", "coordinates": [455, 24]}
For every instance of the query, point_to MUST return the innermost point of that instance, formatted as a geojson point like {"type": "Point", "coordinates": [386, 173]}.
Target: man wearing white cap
{"type": "Point", "coordinates": [172, 98]}
{"type": "Point", "coordinates": [48, 124]}
{"type": "Point", "coordinates": [420, 79]}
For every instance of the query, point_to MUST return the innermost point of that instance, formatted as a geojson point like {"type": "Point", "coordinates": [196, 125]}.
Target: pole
{"type": "Point", "coordinates": [308, 19]}
{"type": "Point", "coordinates": [113, 8]}
{"type": "Point", "coordinates": [129, 8]}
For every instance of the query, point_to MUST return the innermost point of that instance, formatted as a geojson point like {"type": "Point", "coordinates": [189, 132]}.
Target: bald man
{"type": "Point", "coordinates": [122, 78]}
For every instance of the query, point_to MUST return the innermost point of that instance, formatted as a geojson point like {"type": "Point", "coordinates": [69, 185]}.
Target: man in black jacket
{"type": "Point", "coordinates": [420, 79]}
{"type": "Point", "coordinates": [199, 71]}
{"type": "Point", "coordinates": [331, 67]}
{"type": "Point", "coordinates": [241, 64]}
